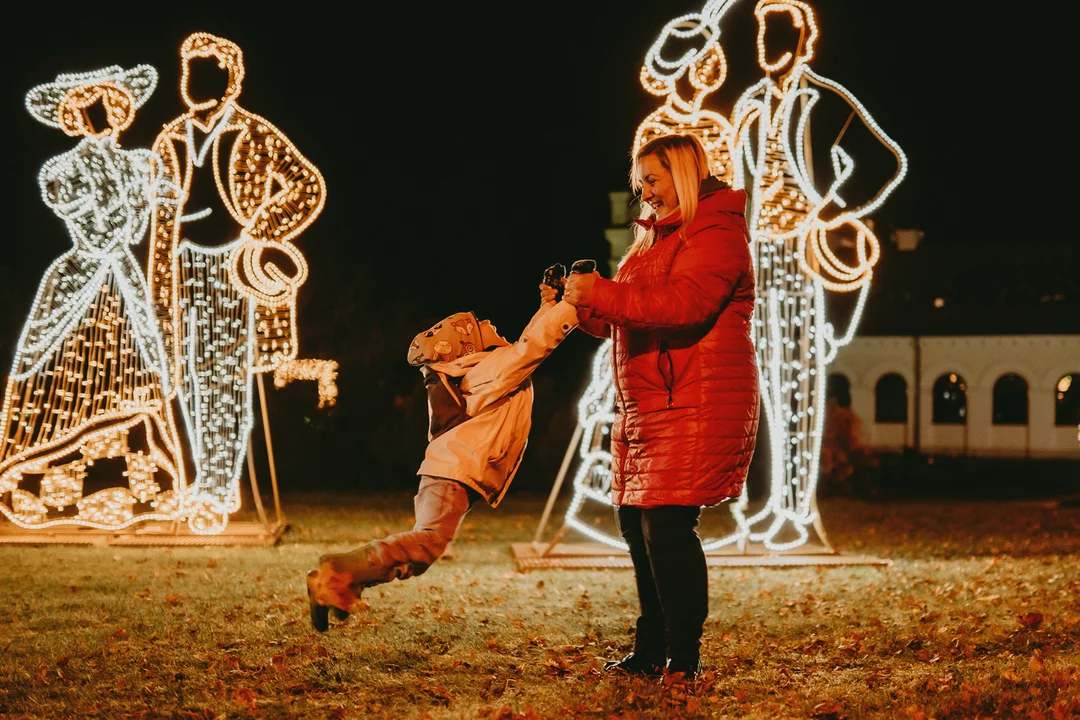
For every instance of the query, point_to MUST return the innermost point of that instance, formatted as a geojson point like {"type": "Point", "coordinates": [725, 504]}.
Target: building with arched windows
{"type": "Point", "coordinates": [985, 395]}
{"type": "Point", "coordinates": [967, 349]}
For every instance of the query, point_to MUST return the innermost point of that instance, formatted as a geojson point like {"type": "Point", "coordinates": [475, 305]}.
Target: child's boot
{"type": "Point", "coordinates": [319, 613]}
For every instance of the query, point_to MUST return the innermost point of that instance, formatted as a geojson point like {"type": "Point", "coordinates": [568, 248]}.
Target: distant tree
{"type": "Point", "coordinates": [848, 467]}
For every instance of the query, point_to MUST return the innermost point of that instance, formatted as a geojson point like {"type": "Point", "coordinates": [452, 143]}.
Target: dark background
{"type": "Point", "coordinates": [465, 150]}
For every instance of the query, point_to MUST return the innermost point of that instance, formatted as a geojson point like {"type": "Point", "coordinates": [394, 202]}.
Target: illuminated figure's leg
{"type": "Point", "coordinates": [788, 323]}
{"type": "Point", "coordinates": [796, 411]}
{"type": "Point", "coordinates": [596, 418]}
{"type": "Point", "coordinates": [217, 334]}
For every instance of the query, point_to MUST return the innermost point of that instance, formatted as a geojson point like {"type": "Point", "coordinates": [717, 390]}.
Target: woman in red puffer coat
{"type": "Point", "coordinates": [678, 312]}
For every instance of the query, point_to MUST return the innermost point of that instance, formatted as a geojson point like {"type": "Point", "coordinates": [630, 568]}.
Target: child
{"type": "Point", "coordinates": [480, 409]}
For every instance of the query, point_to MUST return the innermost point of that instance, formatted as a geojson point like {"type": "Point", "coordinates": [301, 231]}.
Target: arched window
{"type": "Point", "coordinates": [950, 400]}
{"type": "Point", "coordinates": [838, 387]}
{"type": "Point", "coordinates": [890, 399]}
{"type": "Point", "coordinates": [1067, 396]}
{"type": "Point", "coordinates": [1011, 400]}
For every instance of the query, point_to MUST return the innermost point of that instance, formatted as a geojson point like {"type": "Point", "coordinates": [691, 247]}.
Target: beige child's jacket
{"type": "Point", "coordinates": [485, 450]}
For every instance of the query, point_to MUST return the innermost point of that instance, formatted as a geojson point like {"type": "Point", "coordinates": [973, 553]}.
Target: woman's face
{"type": "Point", "coordinates": [657, 186]}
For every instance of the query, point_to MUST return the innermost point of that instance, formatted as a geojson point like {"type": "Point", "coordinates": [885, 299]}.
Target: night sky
{"type": "Point", "coordinates": [465, 151]}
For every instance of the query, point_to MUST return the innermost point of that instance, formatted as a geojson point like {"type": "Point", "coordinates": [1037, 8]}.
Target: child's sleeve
{"type": "Point", "coordinates": [507, 367]}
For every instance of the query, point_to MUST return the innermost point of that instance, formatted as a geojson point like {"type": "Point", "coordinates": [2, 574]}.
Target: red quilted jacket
{"type": "Point", "coordinates": [683, 359]}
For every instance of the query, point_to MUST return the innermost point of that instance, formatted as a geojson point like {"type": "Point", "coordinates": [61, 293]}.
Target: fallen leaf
{"type": "Point", "coordinates": [245, 696]}
{"type": "Point", "coordinates": [1031, 620]}
{"type": "Point", "coordinates": [915, 713]}
{"type": "Point", "coordinates": [827, 711]}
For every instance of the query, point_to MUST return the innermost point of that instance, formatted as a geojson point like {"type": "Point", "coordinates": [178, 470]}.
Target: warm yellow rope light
{"type": "Point", "coordinates": [227, 309]}
{"type": "Point", "coordinates": [324, 371]}
{"type": "Point", "coordinates": [705, 70]}
{"type": "Point", "coordinates": [795, 261]}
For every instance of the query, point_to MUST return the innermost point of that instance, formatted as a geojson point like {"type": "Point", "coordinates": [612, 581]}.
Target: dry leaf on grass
{"type": "Point", "coordinates": [245, 696]}
{"type": "Point", "coordinates": [827, 711]}
{"type": "Point", "coordinates": [1031, 620]}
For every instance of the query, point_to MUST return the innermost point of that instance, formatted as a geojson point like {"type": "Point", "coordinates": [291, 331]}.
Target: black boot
{"type": "Point", "coordinates": [320, 614]}
{"type": "Point", "coordinates": [636, 664]}
{"type": "Point", "coordinates": [688, 665]}
{"type": "Point", "coordinates": [648, 657]}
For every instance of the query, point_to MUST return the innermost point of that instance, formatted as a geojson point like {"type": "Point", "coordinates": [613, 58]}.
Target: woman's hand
{"type": "Point", "coordinates": [547, 295]}
{"type": "Point", "coordinates": [579, 287]}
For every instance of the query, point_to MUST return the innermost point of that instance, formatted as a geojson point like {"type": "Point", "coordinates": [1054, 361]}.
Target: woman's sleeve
{"type": "Point", "coordinates": [593, 326]}
{"type": "Point", "coordinates": [703, 277]}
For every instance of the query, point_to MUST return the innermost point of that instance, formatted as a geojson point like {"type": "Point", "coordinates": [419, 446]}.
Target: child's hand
{"type": "Point", "coordinates": [548, 295]}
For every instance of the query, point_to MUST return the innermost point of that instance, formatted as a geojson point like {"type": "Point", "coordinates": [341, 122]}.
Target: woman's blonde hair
{"type": "Point", "coordinates": [685, 158]}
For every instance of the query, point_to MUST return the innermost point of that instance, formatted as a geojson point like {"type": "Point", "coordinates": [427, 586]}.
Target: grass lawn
{"type": "Point", "coordinates": [978, 616]}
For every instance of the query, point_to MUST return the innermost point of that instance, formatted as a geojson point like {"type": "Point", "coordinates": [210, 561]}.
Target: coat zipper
{"type": "Point", "coordinates": [669, 376]}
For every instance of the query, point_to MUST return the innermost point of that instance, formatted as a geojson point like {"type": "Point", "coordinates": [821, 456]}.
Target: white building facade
{"type": "Point", "coordinates": [994, 396]}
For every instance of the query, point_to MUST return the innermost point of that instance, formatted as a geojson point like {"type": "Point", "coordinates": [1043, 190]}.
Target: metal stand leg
{"type": "Point", "coordinates": [269, 452]}
{"type": "Point", "coordinates": [255, 488]}
{"type": "Point", "coordinates": [819, 526]}
{"type": "Point", "coordinates": [558, 483]}
{"type": "Point", "coordinates": [555, 539]}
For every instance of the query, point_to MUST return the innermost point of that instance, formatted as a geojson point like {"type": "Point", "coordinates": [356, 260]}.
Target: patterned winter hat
{"type": "Point", "coordinates": [451, 338]}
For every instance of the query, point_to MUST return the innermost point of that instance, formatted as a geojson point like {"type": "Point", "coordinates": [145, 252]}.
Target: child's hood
{"type": "Point", "coordinates": [456, 337]}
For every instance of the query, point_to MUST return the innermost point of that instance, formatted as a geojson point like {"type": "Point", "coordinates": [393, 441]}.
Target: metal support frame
{"type": "Point", "coordinates": [554, 553]}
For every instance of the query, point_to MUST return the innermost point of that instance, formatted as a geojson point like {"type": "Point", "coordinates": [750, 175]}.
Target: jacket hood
{"type": "Point", "coordinates": [452, 338]}
{"type": "Point", "coordinates": [718, 196]}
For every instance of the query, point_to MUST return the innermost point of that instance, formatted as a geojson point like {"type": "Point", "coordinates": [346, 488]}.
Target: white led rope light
{"type": "Point", "coordinates": [89, 362]}
{"type": "Point", "coordinates": [227, 311]}
{"type": "Point", "coordinates": [792, 258]}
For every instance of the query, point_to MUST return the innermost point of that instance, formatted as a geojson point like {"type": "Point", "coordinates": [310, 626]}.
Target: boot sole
{"type": "Point", "coordinates": [640, 672]}
{"type": "Point", "coordinates": [319, 614]}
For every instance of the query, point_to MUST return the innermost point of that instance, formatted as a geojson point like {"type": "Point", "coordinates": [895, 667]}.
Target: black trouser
{"type": "Point", "coordinates": [672, 579]}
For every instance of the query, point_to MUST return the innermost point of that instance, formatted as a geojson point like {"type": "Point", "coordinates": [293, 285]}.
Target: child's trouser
{"type": "Point", "coordinates": [440, 506]}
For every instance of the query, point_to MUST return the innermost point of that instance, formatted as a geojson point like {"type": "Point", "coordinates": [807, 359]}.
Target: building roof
{"type": "Point", "coordinates": [970, 289]}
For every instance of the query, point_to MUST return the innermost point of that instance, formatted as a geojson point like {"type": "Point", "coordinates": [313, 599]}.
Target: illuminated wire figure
{"type": "Point", "coordinates": [705, 69]}
{"type": "Point", "coordinates": [89, 366]}
{"type": "Point", "coordinates": [796, 219]}
{"type": "Point", "coordinates": [227, 302]}
{"type": "Point", "coordinates": [596, 413]}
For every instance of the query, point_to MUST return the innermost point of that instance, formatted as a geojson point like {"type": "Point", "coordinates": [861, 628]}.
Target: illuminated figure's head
{"type": "Point", "coordinates": [777, 17]}
{"type": "Point", "coordinates": [703, 67]}
{"type": "Point", "coordinates": [92, 104]}
{"type": "Point", "coordinates": [225, 54]}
